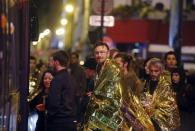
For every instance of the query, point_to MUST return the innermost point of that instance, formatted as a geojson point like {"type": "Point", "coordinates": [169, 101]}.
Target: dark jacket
{"type": "Point", "coordinates": [61, 99]}
{"type": "Point", "coordinates": [78, 73]}
{"type": "Point", "coordinates": [39, 99]}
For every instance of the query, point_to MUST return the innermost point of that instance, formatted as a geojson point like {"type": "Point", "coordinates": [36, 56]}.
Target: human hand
{"type": "Point", "coordinates": [40, 107]}
{"type": "Point", "coordinates": [89, 93]}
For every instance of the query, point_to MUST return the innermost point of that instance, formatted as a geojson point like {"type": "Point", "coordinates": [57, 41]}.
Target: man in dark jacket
{"type": "Point", "coordinates": [62, 98]}
{"type": "Point", "coordinates": [78, 73]}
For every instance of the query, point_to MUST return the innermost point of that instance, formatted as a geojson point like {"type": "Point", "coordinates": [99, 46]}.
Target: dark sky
{"type": "Point", "coordinates": [48, 12]}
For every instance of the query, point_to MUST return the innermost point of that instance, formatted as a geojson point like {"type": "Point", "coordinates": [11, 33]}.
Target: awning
{"type": "Point", "coordinates": [148, 31]}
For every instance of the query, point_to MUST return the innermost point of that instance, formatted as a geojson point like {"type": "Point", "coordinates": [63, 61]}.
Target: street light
{"type": "Point", "coordinates": [46, 32]}
{"type": "Point", "coordinates": [60, 31]}
{"type": "Point", "coordinates": [69, 8]}
{"type": "Point", "coordinates": [63, 21]}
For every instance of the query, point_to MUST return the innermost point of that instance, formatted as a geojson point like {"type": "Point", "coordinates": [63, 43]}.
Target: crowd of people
{"type": "Point", "coordinates": [107, 93]}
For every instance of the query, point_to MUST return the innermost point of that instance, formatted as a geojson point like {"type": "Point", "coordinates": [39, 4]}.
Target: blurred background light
{"type": "Point", "coordinates": [60, 31]}
{"type": "Point", "coordinates": [82, 62]}
{"type": "Point", "coordinates": [34, 43]}
{"type": "Point", "coordinates": [60, 44]}
{"type": "Point", "coordinates": [63, 21]}
{"type": "Point", "coordinates": [46, 32]}
{"type": "Point", "coordinates": [69, 8]}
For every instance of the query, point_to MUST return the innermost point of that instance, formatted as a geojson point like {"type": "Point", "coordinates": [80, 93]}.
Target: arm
{"type": "Point", "coordinates": [54, 96]}
{"type": "Point", "coordinates": [164, 109]}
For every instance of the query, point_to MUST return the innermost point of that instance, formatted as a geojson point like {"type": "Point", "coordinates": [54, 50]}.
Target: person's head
{"type": "Point", "coordinates": [33, 62]}
{"type": "Point", "coordinates": [155, 68]}
{"type": "Point", "coordinates": [113, 52]}
{"type": "Point", "coordinates": [122, 60]}
{"type": "Point", "coordinates": [50, 62]}
{"type": "Point", "coordinates": [177, 77]}
{"type": "Point", "coordinates": [60, 59]}
{"type": "Point", "coordinates": [101, 51]}
{"type": "Point", "coordinates": [170, 60]}
{"type": "Point", "coordinates": [46, 79]}
{"type": "Point", "coordinates": [159, 6]}
{"type": "Point", "coordinates": [90, 63]}
{"type": "Point", "coordinates": [74, 58]}
{"type": "Point", "coordinates": [90, 67]}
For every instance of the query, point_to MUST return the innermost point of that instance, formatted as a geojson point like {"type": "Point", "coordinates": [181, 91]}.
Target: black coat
{"type": "Point", "coordinates": [39, 99]}
{"type": "Point", "coordinates": [61, 104]}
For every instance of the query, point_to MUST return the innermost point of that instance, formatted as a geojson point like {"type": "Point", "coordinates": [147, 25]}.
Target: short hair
{"type": "Point", "coordinates": [33, 58]}
{"type": "Point", "coordinates": [90, 63]}
{"type": "Point", "coordinates": [75, 54]}
{"type": "Point", "coordinates": [155, 61]}
{"type": "Point", "coordinates": [170, 53]}
{"type": "Point", "coordinates": [62, 57]}
{"type": "Point", "coordinates": [101, 44]}
{"type": "Point", "coordinates": [159, 6]}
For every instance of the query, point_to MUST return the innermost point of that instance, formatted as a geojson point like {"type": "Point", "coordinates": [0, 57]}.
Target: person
{"type": "Point", "coordinates": [190, 92]}
{"type": "Point", "coordinates": [50, 63]}
{"type": "Point", "coordinates": [131, 104]}
{"type": "Point", "coordinates": [38, 103]}
{"type": "Point", "coordinates": [129, 76]}
{"type": "Point", "coordinates": [90, 65]}
{"type": "Point", "coordinates": [179, 87]}
{"type": "Point", "coordinates": [105, 111]}
{"type": "Point", "coordinates": [158, 13]}
{"type": "Point", "coordinates": [78, 73]}
{"type": "Point", "coordinates": [34, 75]}
{"type": "Point", "coordinates": [171, 62]}
{"type": "Point", "coordinates": [114, 52]}
{"type": "Point", "coordinates": [158, 99]}
{"type": "Point", "coordinates": [61, 106]}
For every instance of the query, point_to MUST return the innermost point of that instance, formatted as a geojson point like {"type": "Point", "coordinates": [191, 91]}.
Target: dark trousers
{"type": "Point", "coordinates": [80, 113]}
{"type": "Point", "coordinates": [61, 125]}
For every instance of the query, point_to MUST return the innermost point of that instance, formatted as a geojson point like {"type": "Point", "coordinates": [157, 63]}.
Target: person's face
{"type": "Point", "coordinates": [73, 59]}
{"type": "Point", "coordinates": [171, 61]}
{"type": "Point", "coordinates": [175, 77]}
{"type": "Point", "coordinates": [55, 64]}
{"type": "Point", "coordinates": [119, 62]}
{"type": "Point", "coordinates": [146, 69]}
{"type": "Point", "coordinates": [154, 72]}
{"type": "Point", "coordinates": [51, 62]}
{"type": "Point", "coordinates": [89, 73]}
{"type": "Point", "coordinates": [101, 54]}
{"type": "Point", "coordinates": [32, 64]}
{"type": "Point", "coordinates": [47, 80]}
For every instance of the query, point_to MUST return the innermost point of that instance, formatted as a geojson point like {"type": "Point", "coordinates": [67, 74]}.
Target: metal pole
{"type": "Point", "coordinates": [179, 40]}
{"type": "Point", "coordinates": [102, 19]}
{"type": "Point", "coordinates": [175, 36]}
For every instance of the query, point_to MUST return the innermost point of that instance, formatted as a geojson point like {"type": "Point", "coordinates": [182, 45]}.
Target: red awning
{"type": "Point", "coordinates": [148, 31]}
